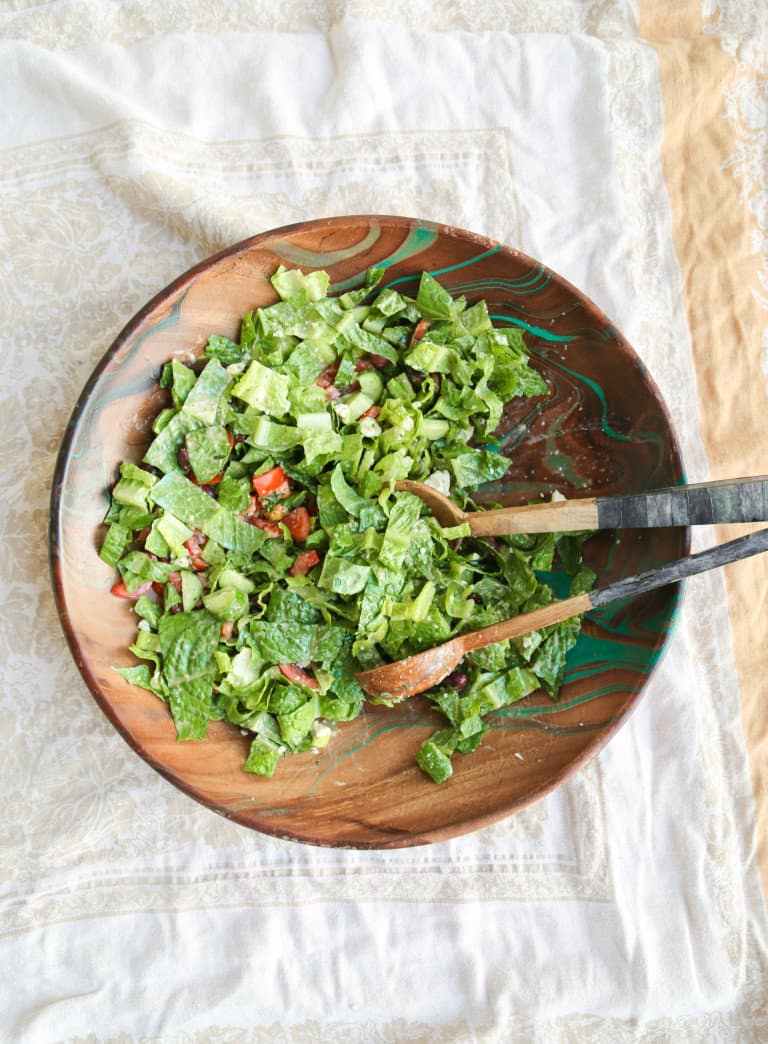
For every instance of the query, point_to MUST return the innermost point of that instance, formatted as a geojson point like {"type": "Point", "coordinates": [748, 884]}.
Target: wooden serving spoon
{"type": "Point", "coordinates": [397, 681]}
{"type": "Point", "coordinates": [705, 503]}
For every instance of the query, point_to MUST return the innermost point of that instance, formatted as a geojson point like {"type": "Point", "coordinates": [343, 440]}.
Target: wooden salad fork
{"type": "Point", "coordinates": [404, 678]}
{"type": "Point", "coordinates": [703, 503]}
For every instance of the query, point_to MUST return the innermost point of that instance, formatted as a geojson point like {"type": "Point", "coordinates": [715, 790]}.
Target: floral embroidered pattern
{"type": "Point", "coordinates": [70, 23]}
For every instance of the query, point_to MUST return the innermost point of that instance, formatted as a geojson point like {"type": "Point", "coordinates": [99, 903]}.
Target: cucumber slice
{"type": "Point", "coordinates": [231, 578]}
{"type": "Point", "coordinates": [356, 405]}
{"type": "Point", "coordinates": [371, 384]}
{"type": "Point", "coordinates": [434, 428]}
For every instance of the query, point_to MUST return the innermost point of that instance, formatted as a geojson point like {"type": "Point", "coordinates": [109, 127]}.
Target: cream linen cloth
{"type": "Point", "coordinates": [135, 140]}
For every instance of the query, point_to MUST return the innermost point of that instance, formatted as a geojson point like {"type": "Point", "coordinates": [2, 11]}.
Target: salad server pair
{"type": "Point", "coordinates": [706, 503]}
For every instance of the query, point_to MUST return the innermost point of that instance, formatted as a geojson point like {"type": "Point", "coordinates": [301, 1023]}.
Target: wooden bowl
{"type": "Point", "coordinates": [604, 430]}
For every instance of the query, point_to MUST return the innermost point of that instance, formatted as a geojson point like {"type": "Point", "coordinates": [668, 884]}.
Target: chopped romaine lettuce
{"type": "Point", "coordinates": [269, 553]}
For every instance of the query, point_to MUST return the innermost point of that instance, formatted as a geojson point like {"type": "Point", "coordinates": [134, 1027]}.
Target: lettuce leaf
{"type": "Point", "coordinates": [180, 379]}
{"type": "Point", "coordinates": [208, 450]}
{"type": "Point", "coordinates": [432, 300]}
{"type": "Point", "coordinates": [264, 389]}
{"type": "Point", "coordinates": [473, 468]}
{"type": "Point", "coordinates": [204, 399]}
{"type": "Point", "coordinates": [188, 643]}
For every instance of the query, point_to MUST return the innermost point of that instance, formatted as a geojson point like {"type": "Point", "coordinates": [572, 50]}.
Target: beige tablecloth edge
{"type": "Point", "coordinates": [713, 232]}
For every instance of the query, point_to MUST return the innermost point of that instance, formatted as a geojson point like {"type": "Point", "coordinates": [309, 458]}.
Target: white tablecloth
{"type": "Point", "coordinates": [138, 138]}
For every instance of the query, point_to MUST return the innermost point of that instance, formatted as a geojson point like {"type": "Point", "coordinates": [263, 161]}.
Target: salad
{"type": "Point", "coordinates": [267, 553]}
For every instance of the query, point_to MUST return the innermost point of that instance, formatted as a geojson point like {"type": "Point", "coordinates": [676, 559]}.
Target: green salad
{"type": "Point", "coordinates": [267, 552]}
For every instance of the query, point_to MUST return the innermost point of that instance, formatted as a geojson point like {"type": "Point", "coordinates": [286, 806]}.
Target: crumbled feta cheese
{"type": "Point", "coordinates": [319, 728]}
{"type": "Point", "coordinates": [321, 734]}
{"type": "Point", "coordinates": [370, 427]}
{"type": "Point", "coordinates": [144, 626]}
{"type": "Point", "coordinates": [557, 496]}
{"type": "Point", "coordinates": [530, 641]}
{"type": "Point", "coordinates": [342, 411]}
{"type": "Point", "coordinates": [441, 481]}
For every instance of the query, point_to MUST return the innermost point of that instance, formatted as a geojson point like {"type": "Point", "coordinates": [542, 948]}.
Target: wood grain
{"type": "Point", "coordinates": [563, 516]}
{"type": "Point", "coordinates": [526, 622]}
{"type": "Point", "coordinates": [603, 430]}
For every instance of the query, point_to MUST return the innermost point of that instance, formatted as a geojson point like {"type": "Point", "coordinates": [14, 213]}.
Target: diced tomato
{"type": "Point", "coordinates": [226, 629]}
{"type": "Point", "coordinates": [282, 491]}
{"type": "Point", "coordinates": [328, 375]}
{"type": "Point", "coordinates": [174, 579]}
{"type": "Point", "coordinates": [304, 562]}
{"type": "Point", "coordinates": [119, 590]}
{"type": "Point", "coordinates": [270, 482]}
{"type": "Point", "coordinates": [297, 675]}
{"type": "Point", "coordinates": [158, 588]}
{"type": "Point", "coordinates": [193, 545]}
{"type": "Point", "coordinates": [230, 439]}
{"type": "Point", "coordinates": [270, 528]}
{"type": "Point", "coordinates": [299, 523]}
{"type": "Point", "coordinates": [372, 412]}
{"type": "Point", "coordinates": [210, 482]}
{"type": "Point", "coordinates": [419, 331]}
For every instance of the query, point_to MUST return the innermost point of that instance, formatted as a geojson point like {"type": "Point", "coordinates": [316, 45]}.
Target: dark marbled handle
{"type": "Point", "coordinates": [744, 547]}
{"type": "Point", "coordinates": [735, 500]}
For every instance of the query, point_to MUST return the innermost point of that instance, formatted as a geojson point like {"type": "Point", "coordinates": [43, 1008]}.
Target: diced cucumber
{"type": "Point", "coordinates": [191, 589]}
{"type": "Point", "coordinates": [371, 384]}
{"type": "Point", "coordinates": [231, 578]}
{"type": "Point", "coordinates": [227, 603]}
{"type": "Point", "coordinates": [356, 405]}
{"type": "Point", "coordinates": [314, 421]}
{"type": "Point", "coordinates": [374, 323]}
{"type": "Point", "coordinates": [434, 428]}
